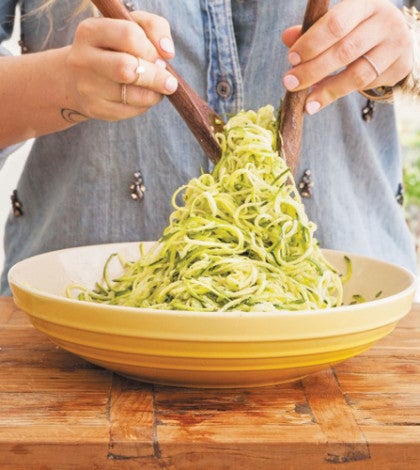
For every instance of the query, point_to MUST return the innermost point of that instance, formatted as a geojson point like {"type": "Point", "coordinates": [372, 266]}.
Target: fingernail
{"type": "Point", "coordinates": [167, 45]}
{"type": "Point", "coordinates": [171, 84]}
{"type": "Point", "coordinates": [313, 107]}
{"type": "Point", "coordinates": [294, 58]}
{"type": "Point", "coordinates": [161, 63]}
{"type": "Point", "coordinates": [290, 82]}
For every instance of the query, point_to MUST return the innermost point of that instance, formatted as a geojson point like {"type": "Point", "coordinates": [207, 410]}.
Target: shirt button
{"type": "Point", "coordinates": [223, 89]}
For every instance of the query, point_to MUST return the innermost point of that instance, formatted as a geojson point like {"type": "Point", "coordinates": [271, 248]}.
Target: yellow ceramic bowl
{"type": "Point", "coordinates": [196, 349]}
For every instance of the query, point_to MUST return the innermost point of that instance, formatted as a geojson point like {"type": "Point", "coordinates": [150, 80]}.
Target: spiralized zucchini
{"type": "Point", "coordinates": [240, 240]}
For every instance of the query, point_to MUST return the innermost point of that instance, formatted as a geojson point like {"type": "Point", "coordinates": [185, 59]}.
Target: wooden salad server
{"type": "Point", "coordinates": [201, 119]}
{"type": "Point", "coordinates": [292, 108]}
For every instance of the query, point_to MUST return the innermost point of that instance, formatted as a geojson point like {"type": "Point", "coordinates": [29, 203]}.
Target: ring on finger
{"type": "Point", "coordinates": [373, 65]}
{"type": "Point", "coordinates": [123, 93]}
{"type": "Point", "coordinates": [139, 71]}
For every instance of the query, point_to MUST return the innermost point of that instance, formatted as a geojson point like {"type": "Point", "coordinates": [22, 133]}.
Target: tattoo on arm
{"type": "Point", "coordinates": [70, 115]}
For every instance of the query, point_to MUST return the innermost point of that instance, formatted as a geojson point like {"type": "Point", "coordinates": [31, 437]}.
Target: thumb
{"type": "Point", "coordinates": [291, 35]}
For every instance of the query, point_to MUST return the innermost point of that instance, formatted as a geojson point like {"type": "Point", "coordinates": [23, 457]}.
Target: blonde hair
{"type": "Point", "coordinates": [83, 4]}
{"type": "Point", "coordinates": [45, 9]}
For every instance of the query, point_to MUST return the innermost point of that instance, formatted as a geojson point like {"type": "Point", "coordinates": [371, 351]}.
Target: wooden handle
{"type": "Point", "coordinates": [292, 109]}
{"type": "Point", "coordinates": [196, 113]}
{"type": "Point", "coordinates": [115, 9]}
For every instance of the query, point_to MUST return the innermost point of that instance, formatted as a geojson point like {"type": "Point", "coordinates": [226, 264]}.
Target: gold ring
{"type": "Point", "coordinates": [123, 93]}
{"type": "Point", "coordinates": [139, 71]}
{"type": "Point", "coordinates": [375, 68]}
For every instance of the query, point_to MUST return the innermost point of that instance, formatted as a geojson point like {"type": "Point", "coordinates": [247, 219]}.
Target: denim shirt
{"type": "Point", "coordinates": [75, 187]}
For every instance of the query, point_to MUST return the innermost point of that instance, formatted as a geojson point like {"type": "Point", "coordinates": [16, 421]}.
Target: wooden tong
{"type": "Point", "coordinates": [292, 109]}
{"type": "Point", "coordinates": [201, 119]}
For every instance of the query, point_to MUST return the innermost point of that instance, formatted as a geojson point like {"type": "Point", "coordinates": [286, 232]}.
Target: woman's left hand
{"type": "Point", "coordinates": [355, 46]}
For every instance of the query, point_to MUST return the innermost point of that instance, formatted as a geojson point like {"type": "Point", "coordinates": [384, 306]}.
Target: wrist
{"type": "Point", "coordinates": [69, 99]}
{"type": "Point", "coordinates": [411, 83]}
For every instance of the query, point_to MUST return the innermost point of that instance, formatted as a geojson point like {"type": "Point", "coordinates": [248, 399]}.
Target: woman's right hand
{"type": "Point", "coordinates": [107, 54]}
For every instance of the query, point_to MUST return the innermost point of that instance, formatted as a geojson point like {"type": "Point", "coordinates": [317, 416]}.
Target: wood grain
{"type": "Point", "coordinates": [59, 412]}
{"type": "Point", "coordinates": [345, 441]}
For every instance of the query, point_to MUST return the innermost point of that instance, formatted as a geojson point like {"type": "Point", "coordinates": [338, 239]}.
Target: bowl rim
{"type": "Point", "coordinates": [342, 309]}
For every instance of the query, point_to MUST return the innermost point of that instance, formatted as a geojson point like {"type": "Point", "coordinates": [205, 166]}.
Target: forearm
{"type": "Point", "coordinates": [45, 92]}
{"type": "Point", "coordinates": [34, 96]}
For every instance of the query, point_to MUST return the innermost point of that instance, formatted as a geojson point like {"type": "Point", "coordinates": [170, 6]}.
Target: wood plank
{"type": "Point", "coordinates": [280, 405]}
{"type": "Point", "coordinates": [374, 364]}
{"type": "Point", "coordinates": [346, 442]}
{"type": "Point", "coordinates": [240, 435]}
{"type": "Point", "coordinates": [380, 383]}
{"type": "Point", "coordinates": [67, 456]}
{"type": "Point", "coordinates": [52, 434]}
{"type": "Point", "coordinates": [393, 436]}
{"type": "Point", "coordinates": [66, 408]}
{"type": "Point", "coordinates": [204, 456]}
{"type": "Point", "coordinates": [387, 409]}
{"type": "Point", "coordinates": [132, 419]}
{"type": "Point", "coordinates": [297, 456]}
{"type": "Point", "coordinates": [53, 380]}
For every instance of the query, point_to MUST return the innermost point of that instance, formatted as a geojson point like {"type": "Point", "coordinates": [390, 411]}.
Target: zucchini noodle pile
{"type": "Point", "coordinates": [240, 240]}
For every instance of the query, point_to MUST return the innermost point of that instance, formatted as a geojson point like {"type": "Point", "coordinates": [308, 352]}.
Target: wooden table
{"type": "Point", "coordinates": [59, 412]}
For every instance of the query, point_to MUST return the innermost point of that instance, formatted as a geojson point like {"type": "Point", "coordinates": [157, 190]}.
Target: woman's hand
{"type": "Point", "coordinates": [357, 45]}
{"type": "Point", "coordinates": [116, 68]}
